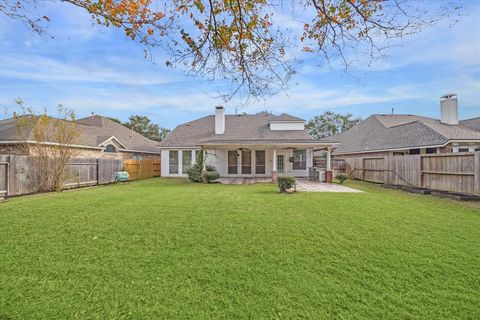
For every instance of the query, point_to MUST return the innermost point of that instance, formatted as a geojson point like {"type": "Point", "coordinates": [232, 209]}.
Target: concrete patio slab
{"type": "Point", "coordinates": [303, 185]}
{"type": "Point", "coordinates": [306, 185]}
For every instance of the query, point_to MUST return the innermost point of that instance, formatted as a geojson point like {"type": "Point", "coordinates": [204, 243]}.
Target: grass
{"type": "Point", "coordinates": [169, 249]}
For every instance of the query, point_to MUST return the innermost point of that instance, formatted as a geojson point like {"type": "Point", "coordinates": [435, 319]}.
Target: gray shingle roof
{"type": "Point", "coordinates": [238, 129]}
{"type": "Point", "coordinates": [93, 130]}
{"type": "Point", "coordinates": [129, 138]}
{"type": "Point", "coordinates": [382, 132]}
{"type": "Point", "coordinates": [287, 117]}
{"type": "Point", "coordinates": [473, 124]}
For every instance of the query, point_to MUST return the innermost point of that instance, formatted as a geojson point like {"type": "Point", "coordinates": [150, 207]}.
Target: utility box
{"type": "Point", "coordinates": [121, 176]}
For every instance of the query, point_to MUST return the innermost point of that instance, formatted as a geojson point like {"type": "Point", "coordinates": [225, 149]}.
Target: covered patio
{"type": "Point", "coordinates": [262, 161]}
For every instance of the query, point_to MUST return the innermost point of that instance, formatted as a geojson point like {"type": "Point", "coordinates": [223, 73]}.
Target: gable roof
{"type": "Point", "coordinates": [93, 131]}
{"type": "Point", "coordinates": [246, 128]}
{"type": "Point", "coordinates": [127, 137]}
{"type": "Point", "coordinates": [387, 132]}
{"type": "Point", "coordinates": [287, 117]}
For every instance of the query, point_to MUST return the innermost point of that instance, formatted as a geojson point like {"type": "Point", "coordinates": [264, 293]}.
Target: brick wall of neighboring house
{"type": "Point", "coordinates": [85, 153]}
{"type": "Point", "coordinates": [364, 154]}
{"type": "Point", "coordinates": [12, 149]}
{"type": "Point", "coordinates": [145, 156]}
{"type": "Point", "coordinates": [447, 149]}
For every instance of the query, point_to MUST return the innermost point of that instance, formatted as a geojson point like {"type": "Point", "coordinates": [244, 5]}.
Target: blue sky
{"type": "Point", "coordinates": [93, 69]}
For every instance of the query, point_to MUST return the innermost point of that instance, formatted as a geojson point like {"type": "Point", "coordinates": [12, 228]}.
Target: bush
{"type": "Point", "coordinates": [195, 173]}
{"type": "Point", "coordinates": [341, 177]}
{"type": "Point", "coordinates": [209, 168]}
{"type": "Point", "coordinates": [209, 176]}
{"type": "Point", "coordinates": [285, 183]}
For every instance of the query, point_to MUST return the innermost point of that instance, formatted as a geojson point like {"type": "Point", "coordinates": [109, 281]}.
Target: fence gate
{"type": "Point", "coordinates": [142, 169]}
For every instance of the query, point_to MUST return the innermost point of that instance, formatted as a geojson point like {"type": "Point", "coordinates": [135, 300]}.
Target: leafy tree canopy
{"type": "Point", "coordinates": [143, 125]}
{"type": "Point", "coordinates": [330, 123]}
{"type": "Point", "coordinates": [247, 42]}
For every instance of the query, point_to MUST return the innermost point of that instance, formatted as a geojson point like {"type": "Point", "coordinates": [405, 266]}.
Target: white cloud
{"type": "Point", "coordinates": [39, 68]}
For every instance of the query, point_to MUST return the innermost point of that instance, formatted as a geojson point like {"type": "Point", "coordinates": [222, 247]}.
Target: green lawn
{"type": "Point", "coordinates": [169, 249]}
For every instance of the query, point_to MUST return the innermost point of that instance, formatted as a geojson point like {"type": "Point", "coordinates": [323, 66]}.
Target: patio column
{"type": "Point", "coordinates": [274, 165]}
{"type": "Point", "coordinates": [328, 173]}
{"type": "Point", "coordinates": [204, 158]}
{"type": "Point", "coordinates": [328, 159]}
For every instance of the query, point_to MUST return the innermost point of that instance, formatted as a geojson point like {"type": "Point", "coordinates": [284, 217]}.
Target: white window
{"type": "Point", "coordinates": [110, 148]}
{"type": "Point", "coordinates": [173, 161]}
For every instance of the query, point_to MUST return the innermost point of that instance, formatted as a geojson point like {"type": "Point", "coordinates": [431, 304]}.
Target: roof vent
{"type": "Point", "coordinates": [449, 109]}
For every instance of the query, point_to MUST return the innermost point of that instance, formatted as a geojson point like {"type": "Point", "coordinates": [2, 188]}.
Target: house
{"type": "Point", "coordinates": [401, 134]}
{"type": "Point", "coordinates": [245, 145]}
{"type": "Point", "coordinates": [98, 137]}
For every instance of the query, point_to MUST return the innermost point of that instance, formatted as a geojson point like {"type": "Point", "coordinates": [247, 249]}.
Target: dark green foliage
{"type": "Point", "coordinates": [209, 168]}
{"type": "Point", "coordinates": [195, 173]}
{"type": "Point", "coordinates": [330, 123]}
{"type": "Point", "coordinates": [200, 158]}
{"type": "Point", "coordinates": [285, 183]}
{"type": "Point", "coordinates": [210, 176]}
{"type": "Point", "coordinates": [341, 177]}
{"type": "Point", "coordinates": [143, 126]}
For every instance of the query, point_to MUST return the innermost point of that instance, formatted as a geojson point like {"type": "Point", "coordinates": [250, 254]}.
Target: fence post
{"type": "Point", "coordinates": [7, 176]}
{"type": "Point", "coordinates": [363, 169]}
{"type": "Point", "coordinates": [98, 170]}
{"type": "Point", "coordinates": [476, 168]}
{"type": "Point", "coordinates": [386, 173]}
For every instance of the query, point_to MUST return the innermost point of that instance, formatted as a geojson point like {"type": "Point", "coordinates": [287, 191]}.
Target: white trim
{"type": "Point", "coordinates": [198, 147]}
{"type": "Point", "coordinates": [260, 145]}
{"type": "Point", "coordinates": [112, 138]}
{"type": "Point", "coordinates": [138, 151]}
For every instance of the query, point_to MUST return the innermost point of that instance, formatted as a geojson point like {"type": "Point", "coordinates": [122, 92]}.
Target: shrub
{"type": "Point", "coordinates": [341, 177]}
{"type": "Point", "coordinates": [195, 173]}
{"type": "Point", "coordinates": [285, 183]}
{"type": "Point", "coordinates": [200, 158]}
{"type": "Point", "coordinates": [209, 168]}
{"type": "Point", "coordinates": [209, 176]}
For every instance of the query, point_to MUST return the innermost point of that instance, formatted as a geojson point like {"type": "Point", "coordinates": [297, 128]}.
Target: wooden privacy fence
{"type": "Point", "coordinates": [454, 172]}
{"type": "Point", "coordinates": [142, 169]}
{"type": "Point", "coordinates": [19, 173]}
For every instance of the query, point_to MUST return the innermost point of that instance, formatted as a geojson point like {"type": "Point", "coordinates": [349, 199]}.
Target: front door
{"type": "Point", "coordinates": [280, 163]}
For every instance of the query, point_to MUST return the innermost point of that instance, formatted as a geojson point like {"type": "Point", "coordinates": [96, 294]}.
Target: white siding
{"type": "Point", "coordinates": [165, 156]}
{"type": "Point", "coordinates": [285, 125]}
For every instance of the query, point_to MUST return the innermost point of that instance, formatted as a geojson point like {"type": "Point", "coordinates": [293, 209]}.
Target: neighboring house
{"type": "Point", "coordinates": [246, 145]}
{"type": "Point", "coordinates": [99, 137]}
{"type": "Point", "coordinates": [399, 134]}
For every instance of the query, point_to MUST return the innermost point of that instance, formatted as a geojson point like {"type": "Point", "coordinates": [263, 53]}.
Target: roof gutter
{"type": "Point", "coordinates": [51, 144]}
{"type": "Point", "coordinates": [138, 151]}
